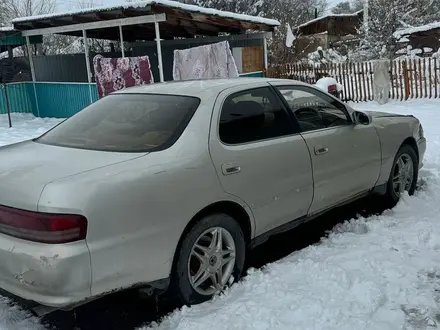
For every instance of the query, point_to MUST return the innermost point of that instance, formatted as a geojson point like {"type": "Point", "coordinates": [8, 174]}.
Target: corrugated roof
{"type": "Point", "coordinates": [166, 3]}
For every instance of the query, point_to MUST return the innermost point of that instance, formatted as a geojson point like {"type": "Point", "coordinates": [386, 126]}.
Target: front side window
{"type": "Point", "coordinates": [126, 123]}
{"type": "Point", "coordinates": [314, 110]}
{"type": "Point", "coordinates": [253, 115]}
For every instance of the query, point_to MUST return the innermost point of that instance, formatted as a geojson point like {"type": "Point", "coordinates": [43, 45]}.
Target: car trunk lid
{"type": "Point", "coordinates": [27, 167]}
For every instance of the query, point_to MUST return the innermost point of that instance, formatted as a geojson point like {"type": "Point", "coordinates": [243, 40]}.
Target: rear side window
{"type": "Point", "coordinates": [126, 123]}
{"type": "Point", "coordinates": [253, 115]}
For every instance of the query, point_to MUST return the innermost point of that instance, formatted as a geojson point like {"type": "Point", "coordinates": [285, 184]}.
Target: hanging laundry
{"type": "Point", "coordinates": [113, 74]}
{"type": "Point", "coordinates": [205, 62]}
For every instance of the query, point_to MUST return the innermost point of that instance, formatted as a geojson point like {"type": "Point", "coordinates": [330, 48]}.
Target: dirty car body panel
{"type": "Point", "coordinates": [140, 177]}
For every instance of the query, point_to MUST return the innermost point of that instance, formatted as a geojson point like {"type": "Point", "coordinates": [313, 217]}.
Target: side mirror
{"type": "Point", "coordinates": [361, 118]}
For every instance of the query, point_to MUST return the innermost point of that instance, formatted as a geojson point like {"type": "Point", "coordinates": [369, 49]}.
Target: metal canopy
{"type": "Point", "coordinates": [140, 21]}
{"type": "Point", "coordinates": [13, 38]}
{"type": "Point", "coordinates": [180, 22]}
{"type": "Point", "coordinates": [116, 23]}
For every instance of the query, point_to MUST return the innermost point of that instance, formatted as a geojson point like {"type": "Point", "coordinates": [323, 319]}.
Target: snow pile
{"type": "Point", "coordinates": [414, 53]}
{"type": "Point", "coordinates": [325, 56]}
{"type": "Point", "coordinates": [14, 318]}
{"type": "Point", "coordinates": [378, 273]}
{"type": "Point", "coordinates": [24, 126]}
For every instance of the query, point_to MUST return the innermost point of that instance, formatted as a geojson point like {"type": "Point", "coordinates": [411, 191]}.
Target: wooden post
{"type": "Point", "coordinates": [159, 50]}
{"type": "Point", "coordinates": [424, 77]}
{"type": "Point", "coordinates": [435, 78]}
{"type": "Point", "coordinates": [430, 78]}
{"type": "Point", "coordinates": [121, 37]}
{"type": "Point", "coordinates": [367, 79]}
{"type": "Point", "coordinates": [370, 73]}
{"type": "Point", "coordinates": [362, 72]}
{"type": "Point", "coordinates": [89, 71]}
{"type": "Point", "coordinates": [406, 79]}
{"type": "Point", "coordinates": [34, 79]}
{"type": "Point", "coordinates": [410, 78]}
{"type": "Point", "coordinates": [402, 87]}
{"type": "Point", "coordinates": [420, 78]}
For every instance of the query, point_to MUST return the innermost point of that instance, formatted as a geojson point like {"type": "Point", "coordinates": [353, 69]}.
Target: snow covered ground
{"type": "Point", "coordinates": [377, 273]}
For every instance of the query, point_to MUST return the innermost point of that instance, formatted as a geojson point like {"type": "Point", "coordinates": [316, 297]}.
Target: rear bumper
{"type": "Point", "coordinates": [421, 145]}
{"type": "Point", "coordinates": [51, 275]}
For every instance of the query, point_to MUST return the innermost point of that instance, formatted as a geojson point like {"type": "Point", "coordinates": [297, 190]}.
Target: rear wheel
{"type": "Point", "coordinates": [211, 256]}
{"type": "Point", "coordinates": [404, 174]}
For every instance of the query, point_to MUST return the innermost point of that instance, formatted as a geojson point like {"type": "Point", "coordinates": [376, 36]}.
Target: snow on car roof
{"type": "Point", "coordinates": [166, 3]}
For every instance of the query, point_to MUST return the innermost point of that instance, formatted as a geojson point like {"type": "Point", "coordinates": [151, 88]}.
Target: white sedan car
{"type": "Point", "coordinates": [167, 186]}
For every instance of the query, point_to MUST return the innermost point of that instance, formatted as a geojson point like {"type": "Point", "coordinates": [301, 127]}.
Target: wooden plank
{"type": "Point", "coordinates": [361, 82]}
{"type": "Point", "coordinates": [392, 73]}
{"type": "Point", "coordinates": [364, 80]}
{"type": "Point", "coordinates": [424, 77]}
{"type": "Point", "coordinates": [435, 78]}
{"type": "Point", "coordinates": [358, 75]}
{"type": "Point", "coordinates": [367, 80]}
{"type": "Point", "coordinates": [343, 82]}
{"type": "Point", "coordinates": [406, 80]}
{"type": "Point", "coordinates": [339, 78]}
{"type": "Point", "coordinates": [420, 78]}
{"type": "Point", "coordinates": [402, 89]}
{"type": "Point", "coordinates": [356, 88]}
{"type": "Point", "coordinates": [350, 67]}
{"type": "Point", "coordinates": [430, 77]}
{"type": "Point", "coordinates": [370, 74]}
{"type": "Point", "coordinates": [410, 77]}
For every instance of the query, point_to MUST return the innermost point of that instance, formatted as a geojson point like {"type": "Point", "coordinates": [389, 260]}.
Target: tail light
{"type": "Point", "coordinates": [332, 88]}
{"type": "Point", "coordinates": [42, 227]}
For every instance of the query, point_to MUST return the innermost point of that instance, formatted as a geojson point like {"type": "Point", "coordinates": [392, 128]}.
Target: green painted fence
{"type": "Point", "coordinates": [18, 95]}
{"type": "Point", "coordinates": [55, 100]}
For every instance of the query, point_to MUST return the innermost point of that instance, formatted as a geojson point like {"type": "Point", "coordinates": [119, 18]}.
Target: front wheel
{"type": "Point", "coordinates": [404, 174]}
{"type": "Point", "coordinates": [212, 254]}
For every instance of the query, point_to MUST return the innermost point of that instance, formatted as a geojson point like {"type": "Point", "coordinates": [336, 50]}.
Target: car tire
{"type": "Point", "coordinates": [398, 181]}
{"type": "Point", "coordinates": [195, 245]}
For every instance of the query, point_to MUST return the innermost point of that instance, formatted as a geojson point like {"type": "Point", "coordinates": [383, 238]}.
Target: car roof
{"type": "Point", "coordinates": [199, 88]}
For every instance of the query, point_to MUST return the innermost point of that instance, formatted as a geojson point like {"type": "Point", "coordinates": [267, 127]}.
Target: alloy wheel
{"type": "Point", "coordinates": [212, 260]}
{"type": "Point", "coordinates": [403, 174]}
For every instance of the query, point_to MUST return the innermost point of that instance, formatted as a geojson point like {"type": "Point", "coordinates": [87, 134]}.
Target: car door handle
{"type": "Point", "coordinates": [228, 169]}
{"type": "Point", "coordinates": [320, 150]}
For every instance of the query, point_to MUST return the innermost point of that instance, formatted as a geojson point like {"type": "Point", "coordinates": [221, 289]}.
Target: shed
{"type": "Point", "coordinates": [327, 31]}
{"type": "Point", "coordinates": [152, 24]}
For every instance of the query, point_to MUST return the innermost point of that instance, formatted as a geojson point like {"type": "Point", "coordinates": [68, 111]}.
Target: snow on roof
{"type": "Point", "coordinates": [166, 3]}
{"type": "Point", "coordinates": [328, 16]}
{"type": "Point", "coordinates": [6, 28]}
{"type": "Point", "coordinates": [405, 32]}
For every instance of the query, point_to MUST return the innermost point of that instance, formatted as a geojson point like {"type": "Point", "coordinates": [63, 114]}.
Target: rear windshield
{"type": "Point", "coordinates": [126, 123]}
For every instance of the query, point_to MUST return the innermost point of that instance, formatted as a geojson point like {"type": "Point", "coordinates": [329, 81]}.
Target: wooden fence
{"type": "Point", "coordinates": [410, 78]}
